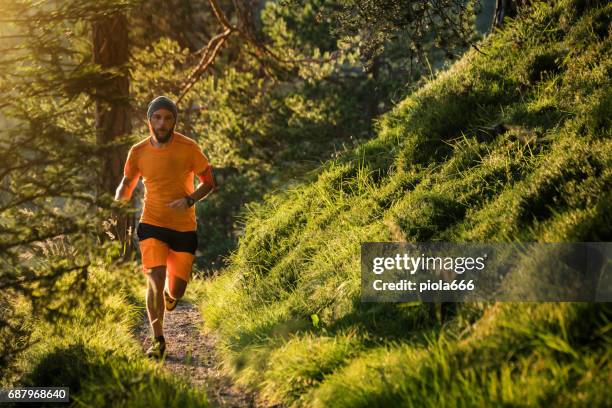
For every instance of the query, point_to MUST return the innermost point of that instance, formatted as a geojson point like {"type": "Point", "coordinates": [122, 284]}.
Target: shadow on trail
{"type": "Point", "coordinates": [103, 378]}
{"type": "Point", "coordinates": [190, 355]}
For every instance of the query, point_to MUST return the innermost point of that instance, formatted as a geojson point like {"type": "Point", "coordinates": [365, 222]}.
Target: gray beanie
{"type": "Point", "coordinates": [162, 102]}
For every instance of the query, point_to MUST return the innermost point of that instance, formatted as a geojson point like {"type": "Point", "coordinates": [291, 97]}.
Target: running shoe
{"type": "Point", "coordinates": [170, 302]}
{"type": "Point", "coordinates": [157, 350]}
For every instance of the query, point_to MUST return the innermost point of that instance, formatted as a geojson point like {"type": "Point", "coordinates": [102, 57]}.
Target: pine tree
{"type": "Point", "coordinates": [52, 157]}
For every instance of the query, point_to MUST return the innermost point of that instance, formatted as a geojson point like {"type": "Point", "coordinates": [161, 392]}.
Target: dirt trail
{"type": "Point", "coordinates": [191, 355]}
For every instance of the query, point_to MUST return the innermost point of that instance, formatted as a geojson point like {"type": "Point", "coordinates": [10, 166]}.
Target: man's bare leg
{"type": "Point", "coordinates": [155, 299]}
{"type": "Point", "coordinates": [176, 287]}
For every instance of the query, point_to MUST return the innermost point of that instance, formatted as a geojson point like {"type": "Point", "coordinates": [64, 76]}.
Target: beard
{"type": "Point", "coordinates": [163, 135]}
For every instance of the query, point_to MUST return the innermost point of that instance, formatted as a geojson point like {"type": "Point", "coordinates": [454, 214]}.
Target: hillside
{"type": "Point", "coordinates": [511, 143]}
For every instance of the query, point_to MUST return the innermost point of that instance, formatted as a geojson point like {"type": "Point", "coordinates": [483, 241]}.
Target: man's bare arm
{"type": "Point", "coordinates": [125, 188]}
{"type": "Point", "coordinates": [207, 184]}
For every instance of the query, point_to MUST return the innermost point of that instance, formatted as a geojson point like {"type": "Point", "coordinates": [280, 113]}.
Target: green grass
{"type": "Point", "coordinates": [97, 356]}
{"type": "Point", "coordinates": [513, 144]}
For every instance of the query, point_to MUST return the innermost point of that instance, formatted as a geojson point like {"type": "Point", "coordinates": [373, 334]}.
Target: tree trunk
{"type": "Point", "coordinates": [110, 50]}
{"type": "Point", "coordinates": [505, 8]}
{"type": "Point", "coordinates": [372, 104]}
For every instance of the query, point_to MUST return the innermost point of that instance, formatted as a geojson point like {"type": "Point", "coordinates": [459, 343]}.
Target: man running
{"type": "Point", "coordinates": [167, 162]}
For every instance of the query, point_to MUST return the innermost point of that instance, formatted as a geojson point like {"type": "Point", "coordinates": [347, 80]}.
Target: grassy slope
{"type": "Point", "coordinates": [288, 310]}
{"type": "Point", "coordinates": [97, 356]}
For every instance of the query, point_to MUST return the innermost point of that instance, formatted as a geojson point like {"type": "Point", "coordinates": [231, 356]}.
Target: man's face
{"type": "Point", "coordinates": [162, 123]}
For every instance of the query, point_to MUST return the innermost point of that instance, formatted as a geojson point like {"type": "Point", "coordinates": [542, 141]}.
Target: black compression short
{"type": "Point", "coordinates": [178, 241]}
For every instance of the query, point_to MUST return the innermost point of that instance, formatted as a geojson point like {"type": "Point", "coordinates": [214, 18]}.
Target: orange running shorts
{"type": "Point", "coordinates": [161, 246]}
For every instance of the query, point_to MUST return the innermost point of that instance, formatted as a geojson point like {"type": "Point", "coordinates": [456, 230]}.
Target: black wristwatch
{"type": "Point", "coordinates": [190, 201]}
